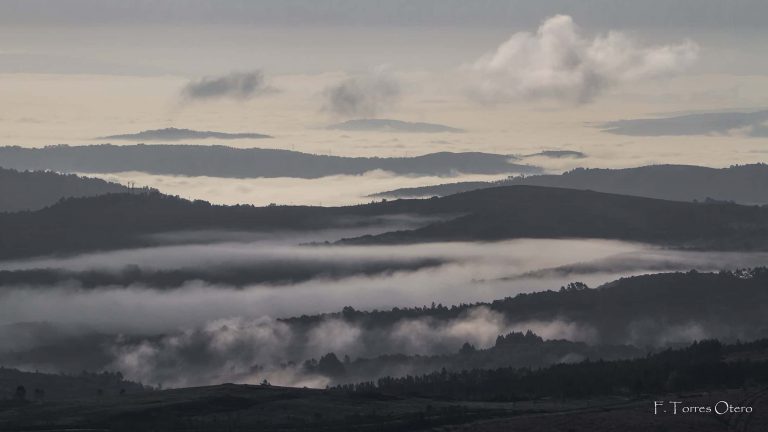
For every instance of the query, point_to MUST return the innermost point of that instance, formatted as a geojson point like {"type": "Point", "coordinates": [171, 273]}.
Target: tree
{"type": "Point", "coordinates": [575, 286]}
{"type": "Point", "coordinates": [21, 393]}
{"type": "Point", "coordinates": [330, 365]}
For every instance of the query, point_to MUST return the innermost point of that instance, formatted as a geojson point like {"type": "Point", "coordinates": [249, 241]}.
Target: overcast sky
{"type": "Point", "coordinates": [193, 37]}
{"type": "Point", "coordinates": [714, 14]}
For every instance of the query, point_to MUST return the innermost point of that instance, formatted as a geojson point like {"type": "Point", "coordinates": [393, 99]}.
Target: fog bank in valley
{"type": "Point", "coordinates": [325, 191]}
{"type": "Point", "coordinates": [202, 333]}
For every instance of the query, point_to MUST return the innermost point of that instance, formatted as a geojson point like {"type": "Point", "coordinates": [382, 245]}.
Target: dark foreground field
{"type": "Point", "coordinates": [262, 408]}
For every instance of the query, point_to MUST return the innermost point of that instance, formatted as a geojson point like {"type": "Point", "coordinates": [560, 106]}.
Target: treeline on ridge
{"type": "Point", "coordinates": [705, 365]}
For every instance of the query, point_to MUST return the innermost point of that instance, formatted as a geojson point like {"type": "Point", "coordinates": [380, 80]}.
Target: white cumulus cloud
{"type": "Point", "coordinates": [559, 63]}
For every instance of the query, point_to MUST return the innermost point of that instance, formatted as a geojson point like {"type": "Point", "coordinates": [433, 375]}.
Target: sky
{"type": "Point", "coordinates": [518, 76]}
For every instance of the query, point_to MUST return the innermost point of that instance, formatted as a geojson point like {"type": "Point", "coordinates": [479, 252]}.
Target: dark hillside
{"type": "Point", "coordinates": [33, 190]}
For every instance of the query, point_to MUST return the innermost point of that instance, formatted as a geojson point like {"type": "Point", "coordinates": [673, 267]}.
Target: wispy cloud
{"type": "Point", "coordinates": [235, 85]}
{"type": "Point", "coordinates": [363, 96]}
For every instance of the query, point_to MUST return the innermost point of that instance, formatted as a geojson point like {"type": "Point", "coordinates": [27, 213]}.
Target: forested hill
{"type": "Point", "coordinates": [122, 220]}
{"type": "Point", "coordinates": [34, 386]}
{"type": "Point", "coordinates": [539, 212]}
{"type": "Point", "coordinates": [221, 161]}
{"type": "Point", "coordinates": [705, 365]}
{"type": "Point", "coordinates": [33, 190]}
{"type": "Point", "coordinates": [514, 349]}
{"type": "Point", "coordinates": [747, 184]}
{"type": "Point", "coordinates": [125, 220]}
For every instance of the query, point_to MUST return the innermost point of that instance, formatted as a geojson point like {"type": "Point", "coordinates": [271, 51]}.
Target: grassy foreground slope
{"type": "Point", "coordinates": [615, 406]}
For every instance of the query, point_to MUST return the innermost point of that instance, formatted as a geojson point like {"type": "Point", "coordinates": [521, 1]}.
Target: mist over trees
{"type": "Point", "coordinates": [705, 365]}
{"type": "Point", "coordinates": [519, 366]}
{"type": "Point", "coordinates": [515, 349]}
{"type": "Point", "coordinates": [273, 272]}
{"type": "Point", "coordinates": [624, 319]}
{"type": "Point", "coordinates": [645, 311]}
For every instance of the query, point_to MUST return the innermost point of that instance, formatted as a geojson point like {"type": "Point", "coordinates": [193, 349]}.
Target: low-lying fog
{"type": "Point", "coordinates": [326, 191]}
{"type": "Point", "coordinates": [201, 333]}
{"type": "Point", "coordinates": [470, 272]}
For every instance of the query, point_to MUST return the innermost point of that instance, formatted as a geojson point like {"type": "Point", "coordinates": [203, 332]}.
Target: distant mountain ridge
{"type": "Point", "coordinates": [751, 124]}
{"type": "Point", "coordinates": [746, 184]}
{"type": "Point", "coordinates": [174, 134]}
{"type": "Point", "coordinates": [33, 190]}
{"type": "Point", "coordinates": [388, 125]}
{"type": "Point", "coordinates": [524, 211]}
{"type": "Point", "coordinates": [222, 161]}
{"type": "Point", "coordinates": [558, 154]}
